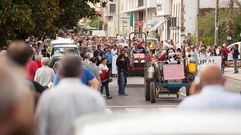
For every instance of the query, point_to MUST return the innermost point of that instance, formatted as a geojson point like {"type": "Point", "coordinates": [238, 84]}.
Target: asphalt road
{"type": "Point", "coordinates": [136, 101]}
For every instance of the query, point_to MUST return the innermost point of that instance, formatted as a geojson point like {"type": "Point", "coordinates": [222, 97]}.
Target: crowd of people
{"type": "Point", "coordinates": [35, 99]}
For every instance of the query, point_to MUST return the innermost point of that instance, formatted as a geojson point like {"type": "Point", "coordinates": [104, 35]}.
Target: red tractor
{"type": "Point", "coordinates": [138, 53]}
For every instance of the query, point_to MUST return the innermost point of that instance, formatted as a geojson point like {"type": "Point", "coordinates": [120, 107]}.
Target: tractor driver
{"type": "Point", "coordinates": [138, 48]}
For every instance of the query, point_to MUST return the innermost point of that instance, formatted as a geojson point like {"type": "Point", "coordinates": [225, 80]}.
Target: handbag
{"type": "Point", "coordinates": [110, 80]}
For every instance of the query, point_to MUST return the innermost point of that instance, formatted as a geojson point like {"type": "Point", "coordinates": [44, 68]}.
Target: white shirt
{"type": "Point", "coordinates": [59, 107]}
{"type": "Point", "coordinates": [103, 67]}
{"type": "Point", "coordinates": [212, 97]}
{"type": "Point", "coordinates": [44, 75]}
{"type": "Point", "coordinates": [114, 52]}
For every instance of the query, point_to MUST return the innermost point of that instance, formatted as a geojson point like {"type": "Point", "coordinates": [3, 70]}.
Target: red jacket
{"type": "Point", "coordinates": [32, 68]}
{"type": "Point", "coordinates": [104, 76]}
{"type": "Point", "coordinates": [226, 50]}
{"type": "Point", "coordinates": [38, 62]}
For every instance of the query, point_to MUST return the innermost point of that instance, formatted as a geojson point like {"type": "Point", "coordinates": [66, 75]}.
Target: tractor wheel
{"type": "Point", "coordinates": [188, 90]}
{"type": "Point", "coordinates": [147, 90]}
{"type": "Point", "coordinates": [152, 92]}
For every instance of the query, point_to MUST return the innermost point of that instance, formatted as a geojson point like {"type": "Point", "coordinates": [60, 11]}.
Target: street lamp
{"type": "Point", "coordinates": [229, 39]}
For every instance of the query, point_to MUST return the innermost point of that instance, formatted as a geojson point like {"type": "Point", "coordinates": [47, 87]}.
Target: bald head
{"type": "Point", "coordinates": [211, 75]}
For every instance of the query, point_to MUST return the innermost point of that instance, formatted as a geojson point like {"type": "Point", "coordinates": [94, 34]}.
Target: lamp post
{"type": "Point", "coordinates": [229, 39]}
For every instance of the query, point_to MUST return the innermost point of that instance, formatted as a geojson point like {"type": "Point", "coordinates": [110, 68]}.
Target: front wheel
{"type": "Point", "coordinates": [152, 92]}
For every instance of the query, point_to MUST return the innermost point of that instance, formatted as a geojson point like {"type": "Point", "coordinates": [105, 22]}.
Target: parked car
{"type": "Point", "coordinates": [59, 46]}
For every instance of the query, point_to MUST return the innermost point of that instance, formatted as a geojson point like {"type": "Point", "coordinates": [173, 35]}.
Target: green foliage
{"type": "Point", "coordinates": [74, 10]}
{"type": "Point", "coordinates": [226, 26]}
{"type": "Point", "coordinates": [96, 22]}
{"type": "Point", "coordinates": [22, 18]}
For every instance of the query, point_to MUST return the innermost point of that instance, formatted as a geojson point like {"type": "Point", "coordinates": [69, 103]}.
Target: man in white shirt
{"type": "Point", "coordinates": [212, 94]}
{"type": "Point", "coordinates": [59, 107]}
{"type": "Point", "coordinates": [45, 74]}
{"type": "Point", "coordinates": [114, 50]}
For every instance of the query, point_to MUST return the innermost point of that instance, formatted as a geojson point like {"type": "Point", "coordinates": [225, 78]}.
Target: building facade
{"type": "Point", "coordinates": [137, 15]}
{"type": "Point", "coordinates": [162, 19]}
{"type": "Point", "coordinates": [110, 18]}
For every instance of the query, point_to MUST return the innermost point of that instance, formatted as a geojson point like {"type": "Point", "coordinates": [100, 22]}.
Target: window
{"type": "Point", "coordinates": [112, 8]}
{"type": "Point", "coordinates": [140, 3]}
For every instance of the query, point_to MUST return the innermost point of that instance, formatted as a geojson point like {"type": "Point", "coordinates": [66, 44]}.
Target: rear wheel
{"type": "Point", "coordinates": [147, 90]}
{"type": "Point", "coordinates": [152, 92]}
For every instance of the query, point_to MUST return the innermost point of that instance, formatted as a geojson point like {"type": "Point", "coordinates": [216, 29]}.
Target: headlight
{"type": "Point", "coordinates": [142, 61]}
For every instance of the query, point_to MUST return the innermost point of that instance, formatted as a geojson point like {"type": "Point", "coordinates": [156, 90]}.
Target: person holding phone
{"type": "Point", "coordinates": [122, 67]}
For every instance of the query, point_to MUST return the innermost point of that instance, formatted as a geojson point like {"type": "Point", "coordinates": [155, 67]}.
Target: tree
{"type": "Point", "coordinates": [22, 18]}
{"type": "Point", "coordinates": [229, 24]}
{"type": "Point", "coordinates": [74, 10]}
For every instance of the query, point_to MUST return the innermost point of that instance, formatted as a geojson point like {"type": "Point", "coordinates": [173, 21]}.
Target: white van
{"type": "Point", "coordinates": [100, 33]}
{"type": "Point", "coordinates": [230, 56]}
{"type": "Point", "coordinates": [59, 46]}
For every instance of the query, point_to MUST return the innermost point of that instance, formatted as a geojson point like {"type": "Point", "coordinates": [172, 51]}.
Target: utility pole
{"type": "Point", "coordinates": [230, 20]}
{"type": "Point", "coordinates": [146, 14]}
{"type": "Point", "coordinates": [216, 23]}
{"type": "Point", "coordinates": [197, 21]}
{"type": "Point", "coordinates": [118, 16]}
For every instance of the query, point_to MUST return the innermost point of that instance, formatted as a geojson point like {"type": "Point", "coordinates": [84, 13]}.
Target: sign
{"type": "Point", "coordinates": [202, 61]}
{"type": "Point", "coordinates": [124, 17]}
{"type": "Point", "coordinates": [173, 72]}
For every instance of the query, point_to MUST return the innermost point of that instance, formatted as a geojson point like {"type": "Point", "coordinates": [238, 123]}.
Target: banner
{"type": "Point", "coordinates": [173, 72]}
{"type": "Point", "coordinates": [202, 61]}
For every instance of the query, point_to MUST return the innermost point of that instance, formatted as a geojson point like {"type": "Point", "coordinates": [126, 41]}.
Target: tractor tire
{"type": "Point", "coordinates": [152, 92]}
{"type": "Point", "coordinates": [147, 90]}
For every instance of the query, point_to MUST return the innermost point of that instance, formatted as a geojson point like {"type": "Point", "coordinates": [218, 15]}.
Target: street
{"type": "Point", "coordinates": [136, 101]}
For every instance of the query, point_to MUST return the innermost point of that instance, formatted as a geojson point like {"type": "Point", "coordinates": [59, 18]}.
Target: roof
{"type": "Point", "coordinates": [63, 45]}
{"type": "Point", "coordinates": [60, 40]}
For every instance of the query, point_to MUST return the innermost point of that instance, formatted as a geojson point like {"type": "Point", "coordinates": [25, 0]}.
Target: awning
{"type": "Point", "coordinates": [157, 25]}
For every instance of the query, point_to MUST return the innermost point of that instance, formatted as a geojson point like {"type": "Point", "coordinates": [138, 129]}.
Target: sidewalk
{"type": "Point", "coordinates": [228, 72]}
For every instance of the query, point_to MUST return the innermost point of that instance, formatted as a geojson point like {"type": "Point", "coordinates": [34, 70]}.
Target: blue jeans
{"type": "Point", "coordinates": [235, 65]}
{"type": "Point", "coordinates": [122, 80]}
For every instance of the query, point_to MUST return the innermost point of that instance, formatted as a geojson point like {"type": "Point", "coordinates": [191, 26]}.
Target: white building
{"type": "Point", "coordinates": [138, 15]}
{"type": "Point", "coordinates": [110, 18]}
